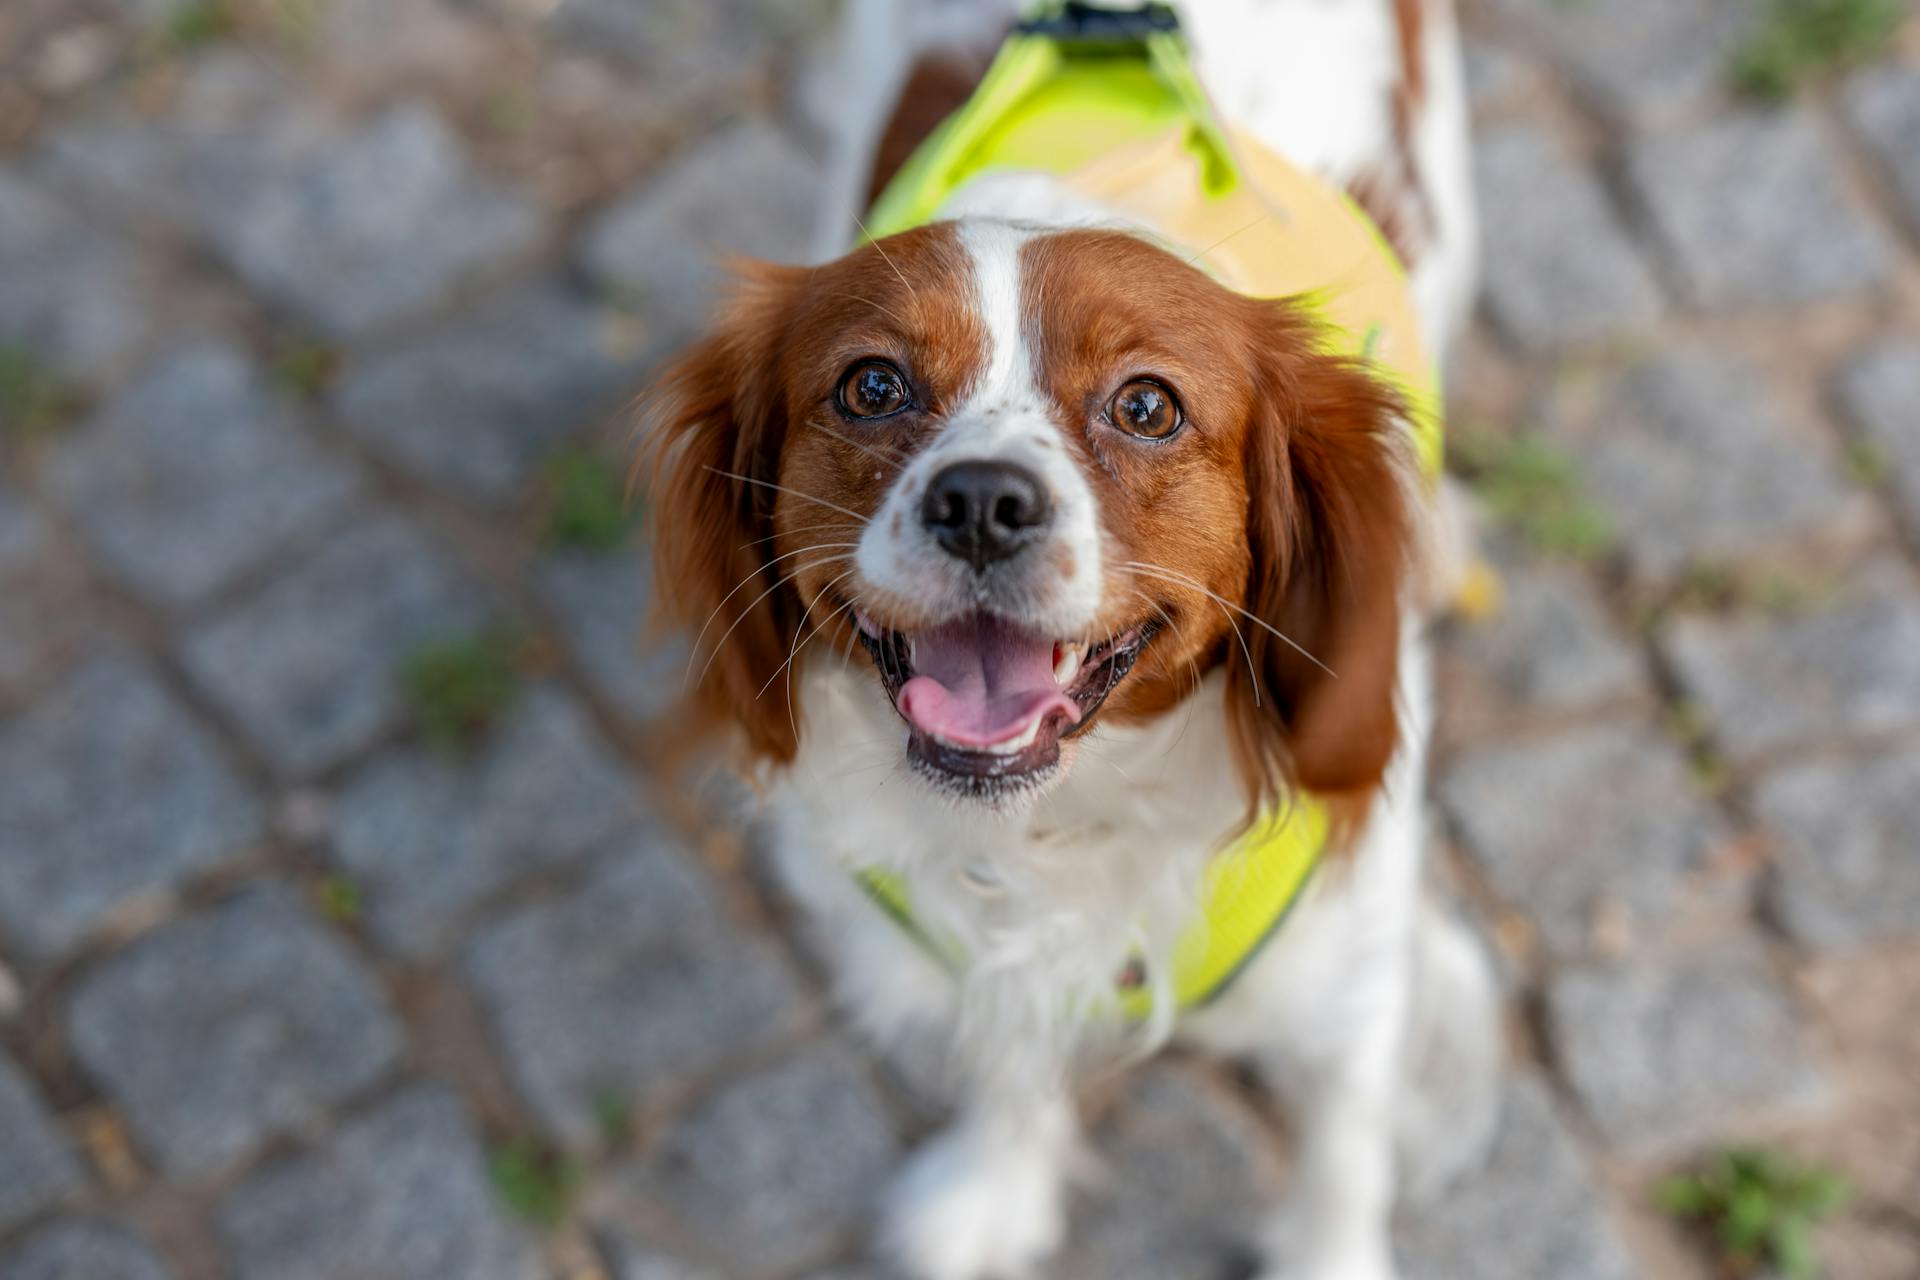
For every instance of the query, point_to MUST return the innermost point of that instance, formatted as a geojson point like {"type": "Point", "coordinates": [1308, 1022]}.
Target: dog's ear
{"type": "Point", "coordinates": [717, 414]}
{"type": "Point", "coordinates": [1328, 526]}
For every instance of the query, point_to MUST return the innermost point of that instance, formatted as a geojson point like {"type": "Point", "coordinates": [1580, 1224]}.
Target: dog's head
{"type": "Point", "coordinates": [1047, 480]}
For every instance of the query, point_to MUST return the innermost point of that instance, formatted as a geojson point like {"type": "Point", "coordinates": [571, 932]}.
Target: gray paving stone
{"type": "Point", "coordinates": [231, 1028]}
{"type": "Point", "coordinates": [1696, 463]}
{"type": "Point", "coordinates": [476, 406]}
{"type": "Point", "coordinates": [1565, 272]}
{"type": "Point", "coordinates": [428, 837]}
{"type": "Point", "coordinates": [1603, 817]}
{"type": "Point", "coordinates": [352, 230]}
{"type": "Point", "coordinates": [635, 980]}
{"type": "Point", "coordinates": [1551, 647]}
{"type": "Point", "coordinates": [1846, 871]}
{"type": "Point", "coordinates": [81, 1250]}
{"type": "Point", "coordinates": [604, 604]}
{"type": "Point", "coordinates": [1644, 61]}
{"type": "Point", "coordinates": [1189, 1182]}
{"type": "Point", "coordinates": [1494, 74]}
{"type": "Point", "coordinates": [36, 1168]}
{"type": "Point", "coordinates": [1531, 1213]}
{"type": "Point", "coordinates": [400, 1193]}
{"type": "Point", "coordinates": [306, 666]}
{"type": "Point", "coordinates": [23, 534]}
{"type": "Point", "coordinates": [690, 48]}
{"type": "Point", "coordinates": [747, 191]}
{"type": "Point", "coordinates": [1880, 393]}
{"type": "Point", "coordinates": [631, 1259]}
{"type": "Point", "coordinates": [1751, 211]}
{"type": "Point", "coordinates": [1767, 684]}
{"type": "Point", "coordinates": [1885, 106]}
{"type": "Point", "coordinates": [748, 1172]}
{"type": "Point", "coordinates": [1665, 1055]}
{"type": "Point", "coordinates": [194, 476]}
{"type": "Point", "coordinates": [75, 298]}
{"type": "Point", "coordinates": [139, 166]}
{"type": "Point", "coordinates": [378, 42]}
{"type": "Point", "coordinates": [111, 791]}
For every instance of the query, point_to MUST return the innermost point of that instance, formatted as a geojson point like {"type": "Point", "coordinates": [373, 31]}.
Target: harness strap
{"type": "Point", "coordinates": [1248, 892]}
{"type": "Point", "coordinates": [1069, 85]}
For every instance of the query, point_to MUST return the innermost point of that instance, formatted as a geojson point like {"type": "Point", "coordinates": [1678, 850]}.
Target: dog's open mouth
{"type": "Point", "coordinates": [987, 700]}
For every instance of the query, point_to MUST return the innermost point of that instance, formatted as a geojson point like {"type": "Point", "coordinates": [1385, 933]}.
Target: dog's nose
{"type": "Point", "coordinates": [985, 511]}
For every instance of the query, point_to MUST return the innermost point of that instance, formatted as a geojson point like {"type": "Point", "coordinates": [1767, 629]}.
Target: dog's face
{"type": "Point", "coordinates": [1047, 480]}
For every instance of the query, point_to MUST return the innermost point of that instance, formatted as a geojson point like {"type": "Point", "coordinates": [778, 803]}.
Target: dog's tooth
{"type": "Point", "coordinates": [1067, 665]}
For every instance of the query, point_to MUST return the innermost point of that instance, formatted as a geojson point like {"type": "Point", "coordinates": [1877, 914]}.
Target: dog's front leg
{"type": "Point", "coordinates": [1337, 1067]}
{"type": "Point", "coordinates": [986, 1200]}
{"type": "Point", "coordinates": [1334, 1225]}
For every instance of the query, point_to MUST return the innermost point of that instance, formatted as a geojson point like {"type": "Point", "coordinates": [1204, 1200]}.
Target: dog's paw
{"type": "Point", "coordinates": [1344, 1270]}
{"type": "Point", "coordinates": [1366, 1265]}
{"type": "Point", "coordinates": [1298, 1249]}
{"type": "Point", "coordinates": [970, 1207]}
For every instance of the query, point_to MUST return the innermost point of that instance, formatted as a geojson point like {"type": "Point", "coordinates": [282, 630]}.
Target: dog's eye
{"type": "Point", "coordinates": [873, 390]}
{"type": "Point", "coordinates": [1145, 408]}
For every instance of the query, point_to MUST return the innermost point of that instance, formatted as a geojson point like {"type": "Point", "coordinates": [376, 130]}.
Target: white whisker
{"type": "Point", "coordinates": [1246, 651]}
{"type": "Point", "coordinates": [888, 311]}
{"type": "Point", "coordinates": [1231, 235]}
{"type": "Point", "coordinates": [805, 528]}
{"type": "Point", "coordinates": [822, 546]}
{"type": "Point", "coordinates": [892, 461]}
{"type": "Point", "coordinates": [885, 257]}
{"type": "Point", "coordinates": [780, 488]}
{"type": "Point", "coordinates": [744, 613]}
{"type": "Point", "coordinates": [1225, 603]}
{"type": "Point", "coordinates": [798, 643]}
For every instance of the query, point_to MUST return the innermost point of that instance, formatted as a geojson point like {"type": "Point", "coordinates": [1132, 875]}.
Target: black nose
{"type": "Point", "coordinates": [985, 511]}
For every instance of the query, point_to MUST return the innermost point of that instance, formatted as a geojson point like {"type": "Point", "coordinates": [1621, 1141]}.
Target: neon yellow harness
{"type": "Point", "coordinates": [1120, 117]}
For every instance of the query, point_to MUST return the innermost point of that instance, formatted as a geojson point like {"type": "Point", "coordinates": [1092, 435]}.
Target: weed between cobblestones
{"type": "Point", "coordinates": [1776, 590]}
{"type": "Point", "coordinates": [460, 688]}
{"type": "Point", "coordinates": [1800, 40]}
{"type": "Point", "coordinates": [1866, 464]}
{"type": "Point", "coordinates": [197, 25]}
{"type": "Point", "coordinates": [341, 899]}
{"type": "Point", "coordinates": [306, 368]}
{"type": "Point", "coordinates": [1760, 1208]}
{"type": "Point", "coordinates": [587, 506]}
{"type": "Point", "coordinates": [1530, 486]}
{"type": "Point", "coordinates": [536, 1181]}
{"type": "Point", "coordinates": [613, 1114]}
{"type": "Point", "coordinates": [33, 401]}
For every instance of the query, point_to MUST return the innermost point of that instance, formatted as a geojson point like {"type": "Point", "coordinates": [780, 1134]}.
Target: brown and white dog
{"type": "Point", "coordinates": [1106, 531]}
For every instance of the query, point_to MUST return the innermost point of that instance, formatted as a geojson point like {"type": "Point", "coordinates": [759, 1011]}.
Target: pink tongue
{"type": "Point", "coordinates": [982, 681]}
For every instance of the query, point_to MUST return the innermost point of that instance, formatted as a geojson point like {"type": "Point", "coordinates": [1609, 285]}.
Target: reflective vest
{"type": "Point", "coordinates": [1107, 102]}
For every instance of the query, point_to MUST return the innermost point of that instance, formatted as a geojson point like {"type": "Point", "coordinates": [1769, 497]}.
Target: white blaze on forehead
{"type": "Point", "coordinates": [1007, 378]}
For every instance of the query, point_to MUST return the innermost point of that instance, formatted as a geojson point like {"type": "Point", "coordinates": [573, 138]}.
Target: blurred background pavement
{"type": "Point", "coordinates": [337, 937]}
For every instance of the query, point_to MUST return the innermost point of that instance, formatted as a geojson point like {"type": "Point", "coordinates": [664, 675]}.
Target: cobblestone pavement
{"type": "Point", "coordinates": [300, 301]}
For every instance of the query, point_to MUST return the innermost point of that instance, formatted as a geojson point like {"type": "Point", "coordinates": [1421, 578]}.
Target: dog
{"type": "Point", "coordinates": [1060, 559]}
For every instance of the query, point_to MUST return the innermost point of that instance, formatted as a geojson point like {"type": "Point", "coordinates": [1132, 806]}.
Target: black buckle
{"type": "Point", "coordinates": [1090, 24]}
